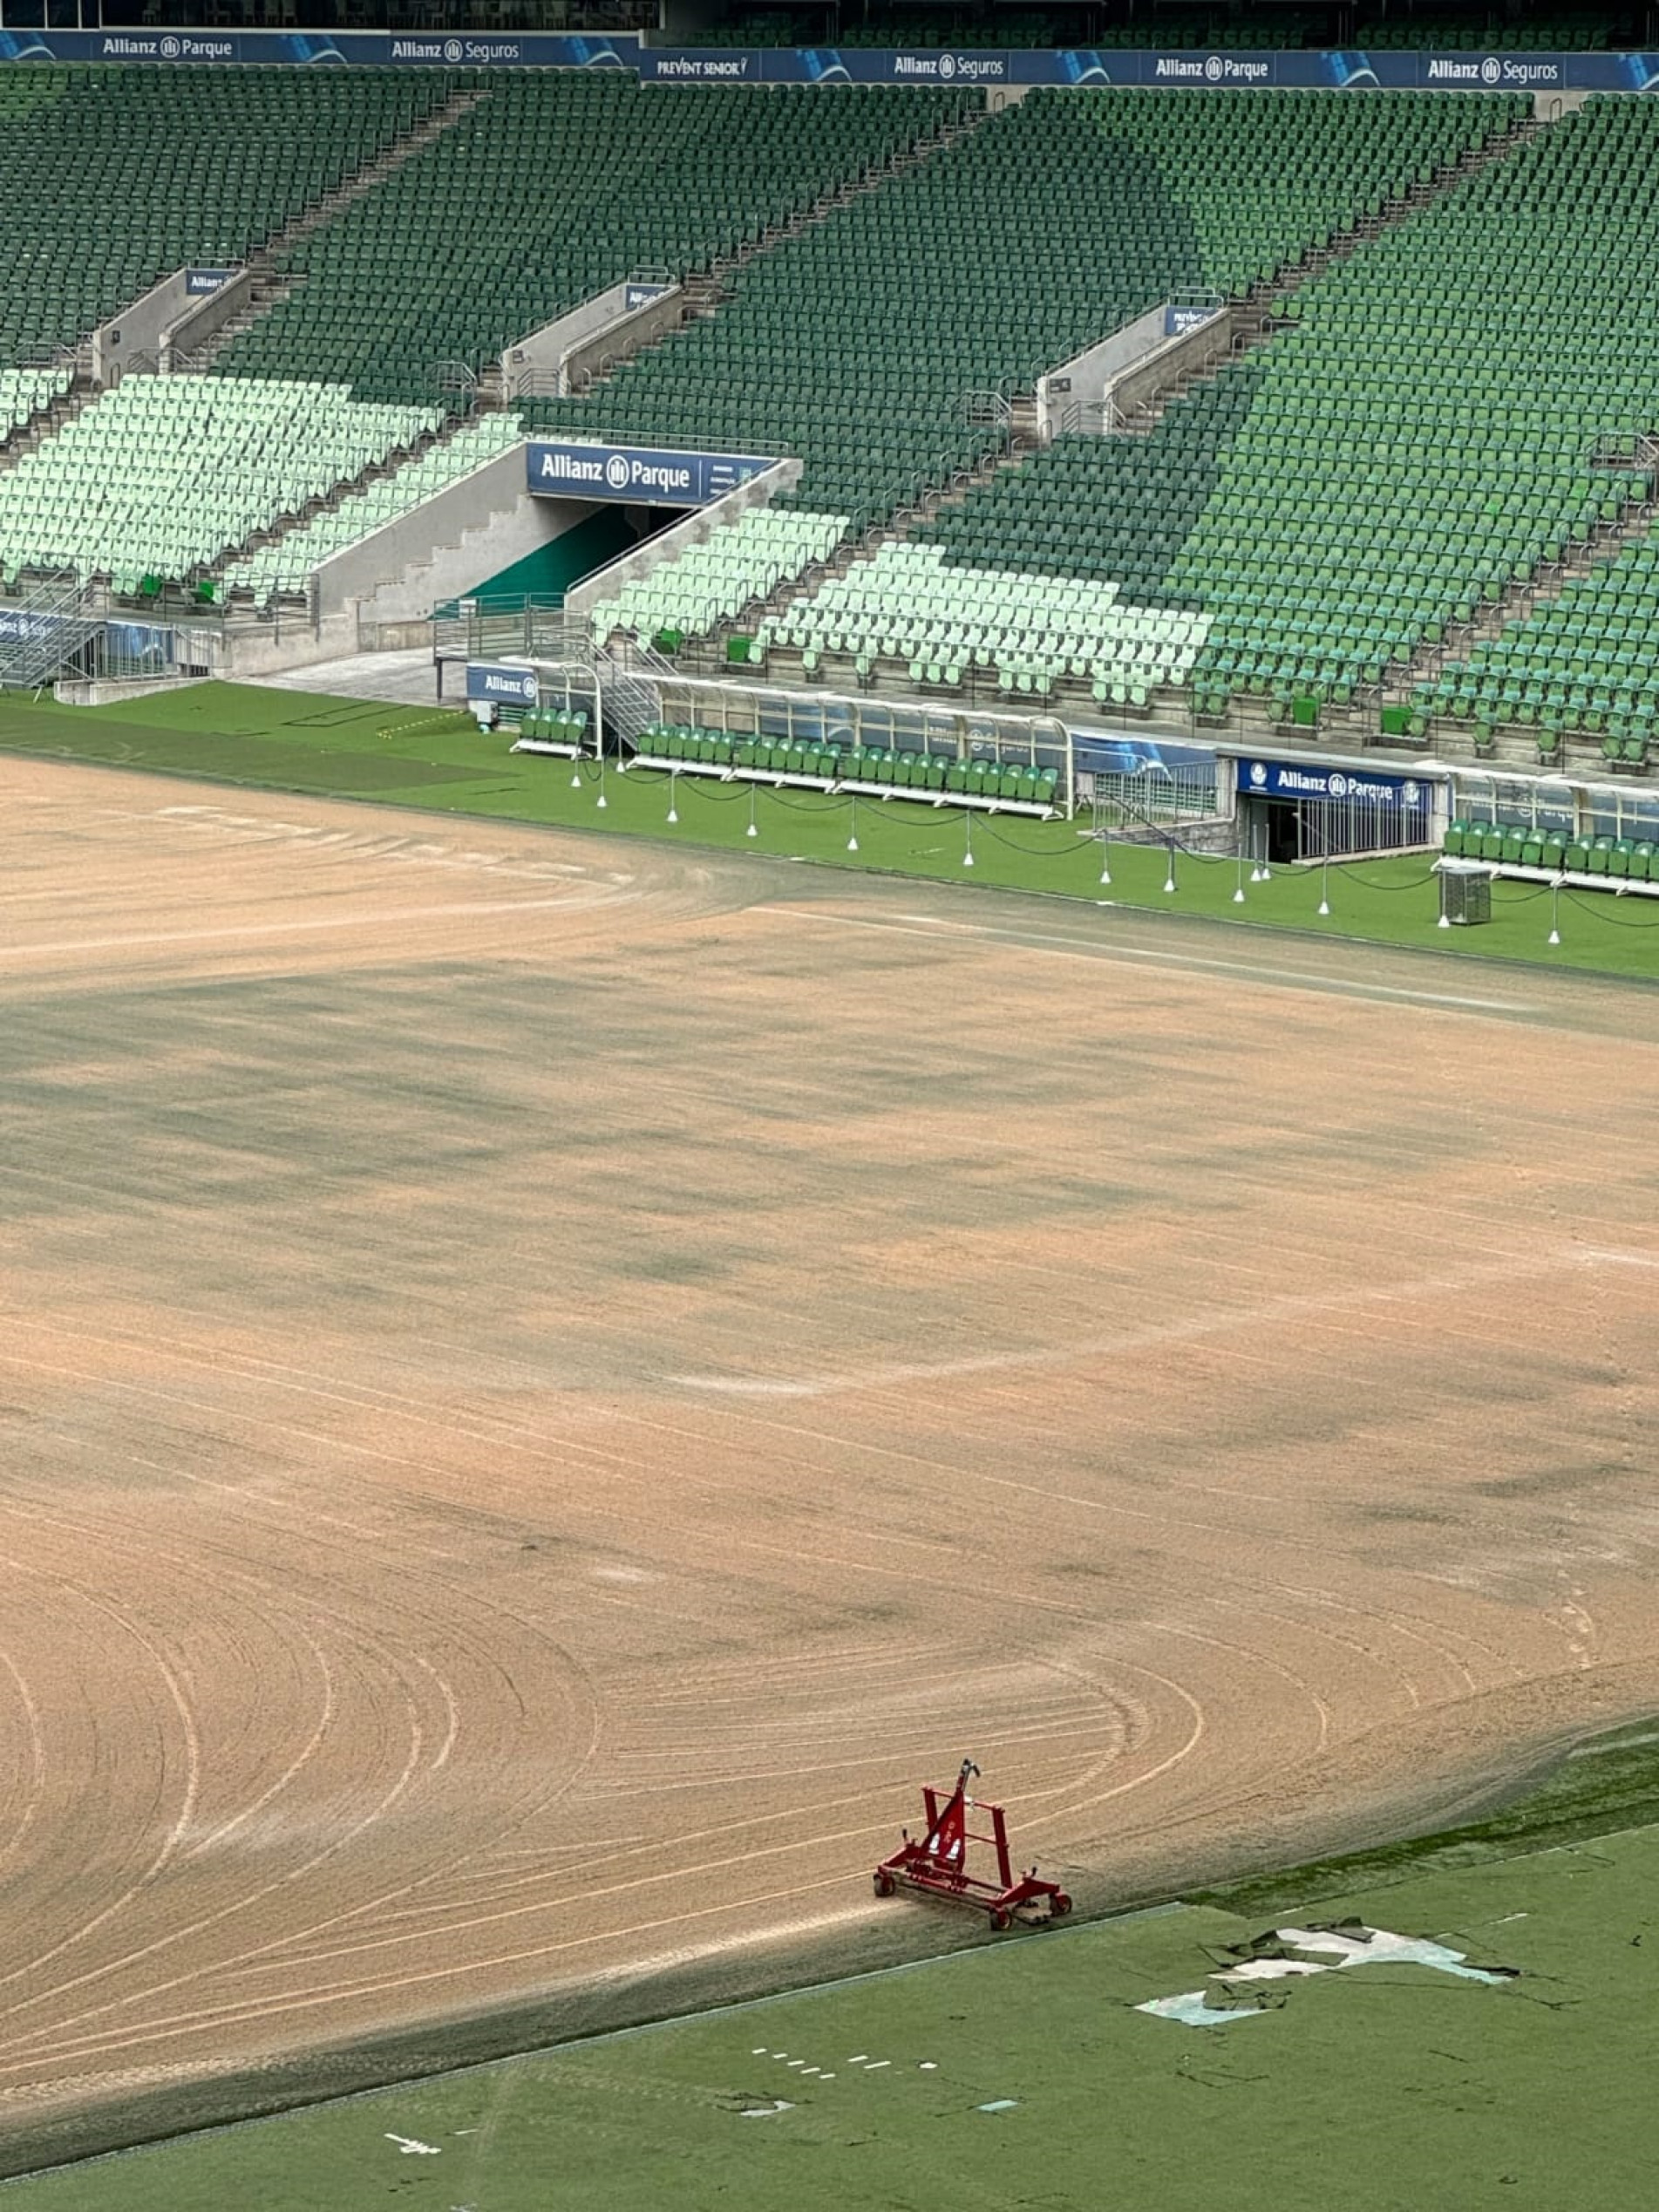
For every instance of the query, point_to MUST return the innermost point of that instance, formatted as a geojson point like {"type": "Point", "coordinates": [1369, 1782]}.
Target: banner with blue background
{"type": "Point", "coordinates": [643, 476]}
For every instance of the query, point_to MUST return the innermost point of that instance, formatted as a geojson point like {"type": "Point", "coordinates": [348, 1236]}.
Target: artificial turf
{"type": "Point", "coordinates": [1021, 2074]}
{"type": "Point", "coordinates": [438, 760]}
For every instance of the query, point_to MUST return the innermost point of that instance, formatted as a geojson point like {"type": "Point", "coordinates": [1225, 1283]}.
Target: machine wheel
{"type": "Point", "coordinates": [1000, 1919]}
{"type": "Point", "coordinates": [1060, 1906]}
{"type": "Point", "coordinates": [885, 1884]}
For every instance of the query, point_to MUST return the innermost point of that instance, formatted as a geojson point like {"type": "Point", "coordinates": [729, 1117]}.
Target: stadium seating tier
{"type": "Point", "coordinates": [193, 165]}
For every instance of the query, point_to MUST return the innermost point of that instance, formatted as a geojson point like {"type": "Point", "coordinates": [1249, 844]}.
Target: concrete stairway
{"type": "Point", "coordinates": [45, 423]}
{"type": "Point", "coordinates": [288, 524]}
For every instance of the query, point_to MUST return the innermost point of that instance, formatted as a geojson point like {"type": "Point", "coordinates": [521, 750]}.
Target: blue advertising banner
{"type": "Point", "coordinates": [1181, 72]}
{"type": "Point", "coordinates": [1350, 70]}
{"type": "Point", "coordinates": [562, 469]}
{"type": "Point", "coordinates": [501, 684]}
{"type": "Point", "coordinates": [1114, 754]}
{"type": "Point", "coordinates": [19, 627]}
{"type": "Point", "coordinates": [1312, 780]}
{"type": "Point", "coordinates": [199, 281]}
{"type": "Point", "coordinates": [372, 48]}
{"type": "Point", "coordinates": [641, 294]}
{"type": "Point", "coordinates": [1178, 320]}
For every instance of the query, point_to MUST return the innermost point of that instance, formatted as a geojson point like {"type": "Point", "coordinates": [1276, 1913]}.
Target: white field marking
{"type": "Point", "coordinates": [1274, 1311]}
{"type": "Point", "coordinates": [359, 844]}
{"type": "Point", "coordinates": [1083, 949]}
{"type": "Point", "coordinates": [372, 920]}
{"type": "Point", "coordinates": [766, 2112]}
{"type": "Point", "coordinates": [410, 2148]}
{"type": "Point", "coordinates": [876, 2064]}
{"type": "Point", "coordinates": [1595, 1253]}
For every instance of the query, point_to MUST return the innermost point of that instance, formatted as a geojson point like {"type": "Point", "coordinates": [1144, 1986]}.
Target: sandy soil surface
{"type": "Point", "coordinates": [545, 1384]}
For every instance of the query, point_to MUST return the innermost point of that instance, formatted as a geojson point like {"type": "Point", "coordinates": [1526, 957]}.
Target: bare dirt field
{"type": "Point", "coordinates": [547, 1384]}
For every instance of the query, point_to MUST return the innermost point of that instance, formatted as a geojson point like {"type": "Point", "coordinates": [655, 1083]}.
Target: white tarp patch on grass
{"type": "Point", "coordinates": [1333, 1950]}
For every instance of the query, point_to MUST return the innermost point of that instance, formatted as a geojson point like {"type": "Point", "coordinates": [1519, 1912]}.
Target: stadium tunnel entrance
{"type": "Point", "coordinates": [605, 535]}
{"type": "Point", "coordinates": [1290, 810]}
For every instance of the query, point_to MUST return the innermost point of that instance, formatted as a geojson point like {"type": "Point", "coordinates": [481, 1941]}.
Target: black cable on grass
{"type": "Point", "coordinates": [1347, 868]}
{"type": "Point", "coordinates": [1033, 852]}
{"type": "Point", "coordinates": [1599, 910]}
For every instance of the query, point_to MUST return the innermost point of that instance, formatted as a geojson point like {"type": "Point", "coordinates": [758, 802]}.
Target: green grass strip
{"type": "Point", "coordinates": [438, 760]}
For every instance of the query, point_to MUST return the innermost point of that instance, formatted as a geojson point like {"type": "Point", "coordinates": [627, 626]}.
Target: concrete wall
{"type": "Point", "coordinates": [691, 529]}
{"type": "Point", "coordinates": [110, 691]}
{"type": "Point", "coordinates": [201, 318]}
{"type": "Point", "coordinates": [469, 530]}
{"type": "Point", "coordinates": [538, 364]}
{"type": "Point", "coordinates": [1169, 360]}
{"type": "Point", "coordinates": [625, 334]}
{"type": "Point", "coordinates": [141, 327]}
{"type": "Point", "coordinates": [1090, 375]}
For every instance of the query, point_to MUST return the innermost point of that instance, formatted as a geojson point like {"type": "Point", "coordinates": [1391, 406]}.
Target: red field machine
{"type": "Point", "coordinates": [939, 1866]}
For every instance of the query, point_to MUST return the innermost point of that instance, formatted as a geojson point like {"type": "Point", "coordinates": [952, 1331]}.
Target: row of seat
{"type": "Point", "coordinates": [563, 728]}
{"type": "Point", "coordinates": [182, 165]}
{"type": "Point", "coordinates": [554, 188]}
{"type": "Point", "coordinates": [910, 604]}
{"type": "Point", "coordinates": [709, 582]}
{"type": "Point", "coordinates": [895, 767]}
{"type": "Point", "coordinates": [856, 345]}
{"type": "Point", "coordinates": [158, 477]}
{"type": "Point", "coordinates": [1585, 661]}
{"type": "Point", "coordinates": [284, 568]}
{"type": "Point", "coordinates": [1556, 850]}
{"type": "Point", "coordinates": [24, 392]}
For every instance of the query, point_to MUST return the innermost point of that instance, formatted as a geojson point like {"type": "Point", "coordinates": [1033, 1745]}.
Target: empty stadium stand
{"type": "Point", "coordinates": [856, 345]}
{"type": "Point", "coordinates": [1028, 632]}
{"type": "Point", "coordinates": [182, 166]}
{"type": "Point", "coordinates": [1583, 663]}
{"type": "Point", "coordinates": [554, 188]}
{"type": "Point", "coordinates": [712, 582]}
{"type": "Point", "coordinates": [1117, 509]}
{"type": "Point", "coordinates": [159, 478]}
{"type": "Point", "coordinates": [1428, 433]}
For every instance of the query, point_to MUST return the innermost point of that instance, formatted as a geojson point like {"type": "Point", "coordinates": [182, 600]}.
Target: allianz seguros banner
{"type": "Point", "coordinates": [640, 476]}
